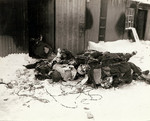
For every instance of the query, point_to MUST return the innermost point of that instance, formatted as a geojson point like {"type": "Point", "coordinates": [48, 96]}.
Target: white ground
{"type": "Point", "coordinates": [143, 1]}
{"type": "Point", "coordinates": [42, 101]}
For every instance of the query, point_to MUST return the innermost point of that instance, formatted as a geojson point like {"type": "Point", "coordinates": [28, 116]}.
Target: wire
{"type": "Point", "coordinates": [84, 91]}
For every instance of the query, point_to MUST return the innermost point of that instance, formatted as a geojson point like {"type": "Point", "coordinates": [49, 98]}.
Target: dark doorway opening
{"type": "Point", "coordinates": [141, 23]}
{"type": "Point", "coordinates": [41, 21]}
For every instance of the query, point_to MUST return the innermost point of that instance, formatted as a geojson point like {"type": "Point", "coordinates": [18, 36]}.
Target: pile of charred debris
{"type": "Point", "coordinates": [97, 69]}
{"type": "Point", "coordinates": [76, 74]}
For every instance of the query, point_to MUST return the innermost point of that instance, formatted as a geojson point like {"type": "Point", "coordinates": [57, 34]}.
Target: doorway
{"type": "Point", "coordinates": [70, 25]}
{"type": "Point", "coordinates": [41, 20]}
{"type": "Point", "coordinates": [141, 23]}
{"type": "Point", "coordinates": [61, 22]}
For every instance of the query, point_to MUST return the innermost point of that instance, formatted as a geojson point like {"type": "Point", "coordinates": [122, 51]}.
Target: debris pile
{"type": "Point", "coordinates": [74, 75]}
{"type": "Point", "coordinates": [103, 69]}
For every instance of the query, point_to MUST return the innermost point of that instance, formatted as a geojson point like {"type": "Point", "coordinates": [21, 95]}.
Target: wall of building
{"type": "Point", "coordinates": [70, 25]}
{"type": "Point", "coordinates": [92, 20]}
{"type": "Point", "coordinates": [22, 19]}
{"type": "Point", "coordinates": [147, 32]}
{"type": "Point", "coordinates": [115, 22]}
{"type": "Point", "coordinates": [13, 27]}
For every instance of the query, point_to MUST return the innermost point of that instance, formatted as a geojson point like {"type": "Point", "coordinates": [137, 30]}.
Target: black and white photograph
{"type": "Point", "coordinates": [74, 60]}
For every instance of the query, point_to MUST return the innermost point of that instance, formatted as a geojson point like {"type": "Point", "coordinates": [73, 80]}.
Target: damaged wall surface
{"type": "Point", "coordinates": [115, 23]}
{"type": "Point", "coordinates": [69, 24]}
{"type": "Point", "coordinates": [41, 20]}
{"type": "Point", "coordinates": [13, 27]}
{"type": "Point", "coordinates": [92, 20]}
{"type": "Point", "coordinates": [116, 18]}
{"type": "Point", "coordinates": [22, 19]}
{"type": "Point", "coordinates": [147, 33]}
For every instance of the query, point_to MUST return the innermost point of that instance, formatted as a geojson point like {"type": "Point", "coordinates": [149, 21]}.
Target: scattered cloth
{"type": "Point", "coordinates": [103, 69]}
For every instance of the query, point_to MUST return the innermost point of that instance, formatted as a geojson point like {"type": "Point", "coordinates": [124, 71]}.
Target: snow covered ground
{"type": "Point", "coordinates": [25, 99]}
{"type": "Point", "coordinates": [143, 1]}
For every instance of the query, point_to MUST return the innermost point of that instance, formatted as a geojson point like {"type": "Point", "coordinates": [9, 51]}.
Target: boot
{"type": "Point", "coordinates": [146, 78]}
{"type": "Point", "coordinates": [145, 72]}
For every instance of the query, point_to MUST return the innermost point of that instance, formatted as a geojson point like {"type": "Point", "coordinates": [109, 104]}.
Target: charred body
{"type": "Point", "coordinates": [103, 69]}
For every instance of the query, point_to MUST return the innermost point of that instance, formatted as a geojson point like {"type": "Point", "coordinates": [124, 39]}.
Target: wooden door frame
{"type": "Point", "coordinates": [81, 23]}
{"type": "Point", "coordinates": [144, 24]}
{"type": "Point", "coordinates": [142, 6]}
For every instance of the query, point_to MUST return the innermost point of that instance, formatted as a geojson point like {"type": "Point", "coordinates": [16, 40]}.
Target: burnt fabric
{"type": "Point", "coordinates": [90, 57]}
{"type": "Point", "coordinates": [91, 53]}
{"type": "Point", "coordinates": [111, 58]}
{"type": "Point", "coordinates": [66, 54]}
{"type": "Point", "coordinates": [107, 69]}
{"type": "Point", "coordinates": [122, 72]}
{"type": "Point", "coordinates": [116, 65]}
{"type": "Point", "coordinates": [56, 76]}
{"type": "Point", "coordinates": [39, 63]}
{"type": "Point", "coordinates": [68, 72]}
{"type": "Point", "coordinates": [42, 69]}
{"type": "Point", "coordinates": [65, 57]}
{"type": "Point", "coordinates": [42, 50]}
{"type": "Point", "coordinates": [39, 49]}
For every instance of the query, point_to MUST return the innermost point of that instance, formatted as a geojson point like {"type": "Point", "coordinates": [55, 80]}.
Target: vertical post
{"type": "Point", "coordinates": [102, 20]}
{"type": "Point", "coordinates": [136, 15]}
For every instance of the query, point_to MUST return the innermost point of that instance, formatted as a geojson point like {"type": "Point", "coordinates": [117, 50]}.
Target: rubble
{"type": "Point", "coordinates": [44, 96]}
